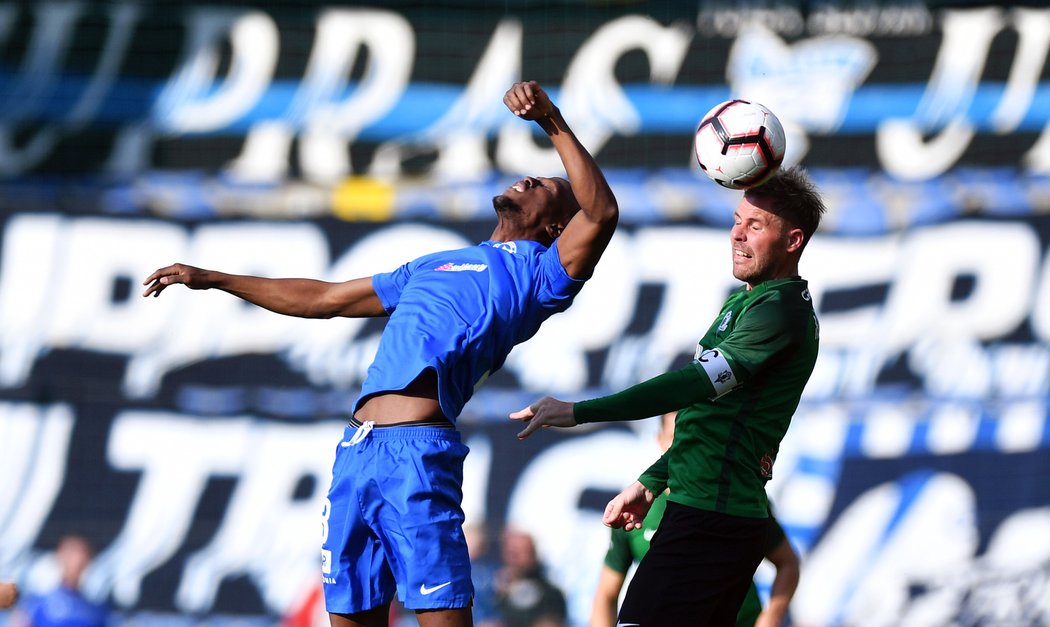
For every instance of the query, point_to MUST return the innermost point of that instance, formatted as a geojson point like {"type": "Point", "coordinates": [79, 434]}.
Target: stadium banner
{"type": "Point", "coordinates": [190, 437]}
{"type": "Point", "coordinates": [286, 109]}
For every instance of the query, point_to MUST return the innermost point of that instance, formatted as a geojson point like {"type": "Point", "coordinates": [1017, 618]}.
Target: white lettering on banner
{"type": "Point", "coordinates": [866, 20]}
{"type": "Point", "coordinates": [853, 582]}
{"type": "Point", "coordinates": [191, 102]}
{"type": "Point", "coordinates": [34, 443]}
{"type": "Point", "coordinates": [919, 529]}
{"type": "Point", "coordinates": [94, 255]}
{"type": "Point", "coordinates": [461, 135]}
{"type": "Point", "coordinates": [872, 262]}
{"type": "Point", "coordinates": [901, 144]}
{"type": "Point", "coordinates": [1040, 316]}
{"type": "Point", "coordinates": [808, 83]}
{"type": "Point", "coordinates": [53, 24]}
{"type": "Point", "coordinates": [330, 125]}
{"type": "Point", "coordinates": [30, 256]}
{"type": "Point", "coordinates": [327, 122]}
{"type": "Point", "coordinates": [327, 118]}
{"type": "Point", "coordinates": [1033, 28]}
{"type": "Point", "coordinates": [926, 273]}
{"type": "Point", "coordinates": [920, 313]}
{"type": "Point", "coordinates": [903, 552]}
{"type": "Point", "coordinates": [175, 457]}
{"type": "Point", "coordinates": [59, 285]}
{"type": "Point", "coordinates": [267, 529]}
{"type": "Point", "coordinates": [268, 532]}
{"type": "Point", "coordinates": [591, 94]}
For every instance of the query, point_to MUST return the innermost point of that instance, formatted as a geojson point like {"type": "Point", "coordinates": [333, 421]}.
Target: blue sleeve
{"type": "Point", "coordinates": [557, 288]}
{"type": "Point", "coordinates": [389, 285]}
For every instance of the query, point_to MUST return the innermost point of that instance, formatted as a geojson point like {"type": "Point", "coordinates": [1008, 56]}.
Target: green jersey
{"type": "Point", "coordinates": [758, 356]}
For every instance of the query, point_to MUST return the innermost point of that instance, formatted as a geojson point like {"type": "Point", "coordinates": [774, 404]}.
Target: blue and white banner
{"type": "Point", "coordinates": [189, 437]}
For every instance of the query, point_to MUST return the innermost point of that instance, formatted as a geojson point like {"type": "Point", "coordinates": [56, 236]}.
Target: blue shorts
{"type": "Point", "coordinates": [393, 521]}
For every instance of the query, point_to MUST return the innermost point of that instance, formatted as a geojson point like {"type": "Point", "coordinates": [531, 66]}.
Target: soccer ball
{"type": "Point", "coordinates": [739, 144]}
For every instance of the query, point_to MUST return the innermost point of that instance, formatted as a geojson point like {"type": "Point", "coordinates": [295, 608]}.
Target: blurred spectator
{"type": "Point", "coordinates": [66, 606]}
{"type": "Point", "coordinates": [8, 594]}
{"type": "Point", "coordinates": [483, 572]}
{"type": "Point", "coordinates": [525, 596]}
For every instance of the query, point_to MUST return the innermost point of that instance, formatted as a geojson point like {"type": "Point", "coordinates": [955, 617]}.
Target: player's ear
{"type": "Point", "coordinates": [795, 239]}
{"type": "Point", "coordinates": [555, 229]}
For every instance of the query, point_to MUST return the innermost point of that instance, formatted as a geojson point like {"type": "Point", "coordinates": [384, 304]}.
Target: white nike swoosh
{"type": "Point", "coordinates": [628, 625]}
{"type": "Point", "coordinates": [424, 590]}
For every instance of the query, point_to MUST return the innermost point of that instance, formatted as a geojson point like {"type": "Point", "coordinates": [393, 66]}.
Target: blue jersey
{"type": "Point", "coordinates": [65, 607]}
{"type": "Point", "coordinates": [460, 312]}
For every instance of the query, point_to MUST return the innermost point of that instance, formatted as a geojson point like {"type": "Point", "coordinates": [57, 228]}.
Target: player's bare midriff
{"type": "Point", "coordinates": [418, 402]}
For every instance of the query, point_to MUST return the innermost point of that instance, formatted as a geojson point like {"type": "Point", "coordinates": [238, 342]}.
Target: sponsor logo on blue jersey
{"type": "Point", "coordinates": [461, 267]}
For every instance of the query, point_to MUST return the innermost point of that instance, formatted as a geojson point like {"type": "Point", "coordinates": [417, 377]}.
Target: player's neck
{"type": "Point", "coordinates": [502, 234]}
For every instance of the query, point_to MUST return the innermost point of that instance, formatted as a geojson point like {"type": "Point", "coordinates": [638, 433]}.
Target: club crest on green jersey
{"type": "Point", "coordinates": [725, 321]}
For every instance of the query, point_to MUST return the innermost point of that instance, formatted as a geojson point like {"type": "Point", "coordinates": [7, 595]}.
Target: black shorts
{"type": "Point", "coordinates": [697, 571]}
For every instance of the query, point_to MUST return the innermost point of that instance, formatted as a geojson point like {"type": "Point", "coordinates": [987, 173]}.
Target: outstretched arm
{"type": "Point", "coordinates": [304, 298]}
{"type": "Point", "coordinates": [667, 392]}
{"type": "Point", "coordinates": [584, 239]}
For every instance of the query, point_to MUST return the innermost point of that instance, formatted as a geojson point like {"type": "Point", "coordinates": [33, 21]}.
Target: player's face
{"type": "Point", "coordinates": [531, 204]}
{"type": "Point", "coordinates": [762, 243]}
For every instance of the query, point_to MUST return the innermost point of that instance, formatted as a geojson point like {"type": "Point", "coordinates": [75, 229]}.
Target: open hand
{"type": "Point", "coordinates": [546, 412]}
{"type": "Point", "coordinates": [628, 508]}
{"type": "Point", "coordinates": [193, 278]}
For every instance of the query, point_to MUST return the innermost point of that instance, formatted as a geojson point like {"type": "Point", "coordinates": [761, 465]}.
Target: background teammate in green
{"type": "Point", "coordinates": [736, 400]}
{"type": "Point", "coordinates": [626, 549]}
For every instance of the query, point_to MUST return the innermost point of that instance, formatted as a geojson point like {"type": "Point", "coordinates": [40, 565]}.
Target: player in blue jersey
{"type": "Point", "coordinates": [65, 605]}
{"type": "Point", "coordinates": [393, 518]}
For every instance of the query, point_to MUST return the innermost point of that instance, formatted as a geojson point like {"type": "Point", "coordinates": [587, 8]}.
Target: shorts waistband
{"type": "Point", "coordinates": [406, 431]}
{"type": "Point", "coordinates": [434, 424]}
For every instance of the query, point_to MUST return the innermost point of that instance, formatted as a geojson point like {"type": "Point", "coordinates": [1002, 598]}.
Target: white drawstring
{"type": "Point", "coordinates": [360, 434]}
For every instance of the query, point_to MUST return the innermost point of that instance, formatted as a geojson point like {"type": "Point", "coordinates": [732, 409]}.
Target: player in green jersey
{"type": "Point", "coordinates": [735, 403]}
{"type": "Point", "coordinates": [627, 548]}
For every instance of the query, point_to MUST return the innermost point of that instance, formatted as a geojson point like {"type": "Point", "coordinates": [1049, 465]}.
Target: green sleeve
{"type": "Point", "coordinates": [618, 557]}
{"type": "Point", "coordinates": [763, 332]}
{"type": "Point", "coordinates": [667, 392]}
{"type": "Point", "coordinates": [655, 478]}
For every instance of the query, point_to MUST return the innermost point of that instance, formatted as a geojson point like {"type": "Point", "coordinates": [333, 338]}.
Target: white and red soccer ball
{"type": "Point", "coordinates": [739, 144]}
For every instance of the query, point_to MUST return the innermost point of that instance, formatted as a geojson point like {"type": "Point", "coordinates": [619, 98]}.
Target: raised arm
{"type": "Point", "coordinates": [304, 298]}
{"type": "Point", "coordinates": [584, 239]}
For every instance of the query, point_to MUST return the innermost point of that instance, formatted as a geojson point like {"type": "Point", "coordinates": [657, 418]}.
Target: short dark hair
{"type": "Point", "coordinates": [795, 199]}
